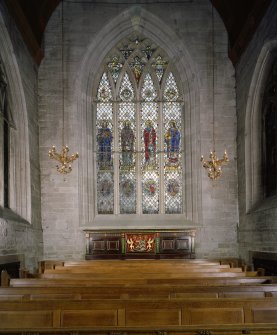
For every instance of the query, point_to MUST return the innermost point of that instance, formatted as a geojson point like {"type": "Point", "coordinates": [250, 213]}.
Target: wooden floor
{"type": "Point", "coordinates": [120, 297]}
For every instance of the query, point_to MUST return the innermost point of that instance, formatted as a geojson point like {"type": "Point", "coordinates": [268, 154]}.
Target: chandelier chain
{"type": "Point", "coordinates": [63, 158]}
{"type": "Point", "coordinates": [62, 60]}
{"type": "Point", "coordinates": [213, 69]}
{"type": "Point", "coordinates": [214, 165]}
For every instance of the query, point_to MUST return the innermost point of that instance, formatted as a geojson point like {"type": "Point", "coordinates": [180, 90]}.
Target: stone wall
{"type": "Point", "coordinates": [258, 228]}
{"type": "Point", "coordinates": [20, 225]}
{"type": "Point", "coordinates": [91, 30]}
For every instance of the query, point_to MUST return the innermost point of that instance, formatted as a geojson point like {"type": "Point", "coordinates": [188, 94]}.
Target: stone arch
{"type": "Point", "coordinates": [253, 131]}
{"type": "Point", "coordinates": [20, 188]}
{"type": "Point", "coordinates": [138, 19]}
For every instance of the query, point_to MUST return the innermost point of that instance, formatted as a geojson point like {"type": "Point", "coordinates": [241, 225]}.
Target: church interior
{"type": "Point", "coordinates": [138, 167]}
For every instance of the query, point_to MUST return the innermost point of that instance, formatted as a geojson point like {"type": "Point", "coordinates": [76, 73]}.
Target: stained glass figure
{"type": "Point", "coordinates": [104, 141]}
{"type": "Point", "coordinates": [127, 193]}
{"type": "Point", "coordinates": [148, 51]}
{"type": "Point", "coordinates": [172, 139]}
{"type": "Point", "coordinates": [127, 144]}
{"type": "Point", "coordinates": [126, 51]}
{"type": "Point", "coordinates": [150, 193]}
{"type": "Point", "coordinates": [149, 135]}
{"type": "Point", "coordinates": [137, 66]}
{"type": "Point", "coordinates": [115, 67]}
{"type": "Point", "coordinates": [173, 155]}
{"type": "Point", "coordinates": [127, 138]}
{"type": "Point", "coordinates": [105, 193]}
{"type": "Point", "coordinates": [149, 116]}
{"type": "Point", "coordinates": [173, 192]}
{"type": "Point", "coordinates": [173, 187]}
{"type": "Point", "coordinates": [159, 66]}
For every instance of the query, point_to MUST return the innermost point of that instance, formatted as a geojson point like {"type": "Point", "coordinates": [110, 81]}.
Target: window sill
{"type": "Point", "coordinates": [8, 214]}
{"type": "Point", "coordinates": [146, 221]}
{"type": "Point", "coordinates": [264, 204]}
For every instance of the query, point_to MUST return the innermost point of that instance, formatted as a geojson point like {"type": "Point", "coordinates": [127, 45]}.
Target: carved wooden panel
{"type": "Point", "coordinates": [140, 244]}
{"type": "Point", "coordinates": [183, 244]}
{"type": "Point", "coordinates": [98, 245]}
{"type": "Point", "coordinates": [168, 244]}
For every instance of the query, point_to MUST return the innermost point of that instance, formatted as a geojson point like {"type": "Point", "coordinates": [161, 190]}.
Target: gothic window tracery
{"type": "Point", "coordinates": [139, 156]}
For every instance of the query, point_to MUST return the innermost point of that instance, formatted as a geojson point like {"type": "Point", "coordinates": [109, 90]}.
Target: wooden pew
{"type": "Point", "coordinates": [253, 329]}
{"type": "Point", "coordinates": [142, 275]}
{"type": "Point", "coordinates": [142, 269]}
{"type": "Point", "coordinates": [121, 282]}
{"type": "Point", "coordinates": [136, 313]}
{"type": "Point", "coordinates": [153, 300]}
{"type": "Point", "coordinates": [51, 264]}
{"type": "Point", "coordinates": [135, 292]}
{"type": "Point", "coordinates": [130, 269]}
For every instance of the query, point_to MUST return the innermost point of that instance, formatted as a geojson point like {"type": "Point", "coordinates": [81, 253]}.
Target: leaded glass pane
{"type": "Point", "coordinates": [105, 146]}
{"type": "Point", "coordinates": [126, 92]}
{"type": "Point", "coordinates": [149, 122]}
{"type": "Point", "coordinates": [115, 67]}
{"type": "Point", "coordinates": [172, 135]}
{"type": "Point", "coordinates": [148, 90]}
{"type": "Point", "coordinates": [104, 92]}
{"type": "Point", "coordinates": [143, 131]}
{"type": "Point", "coordinates": [105, 193]}
{"type": "Point", "coordinates": [173, 192]}
{"type": "Point", "coordinates": [137, 66]}
{"type": "Point", "coordinates": [126, 111]}
{"type": "Point", "coordinates": [127, 193]}
{"type": "Point", "coordinates": [150, 192]}
{"type": "Point", "coordinates": [126, 125]}
{"type": "Point", "coordinates": [172, 148]}
{"type": "Point", "coordinates": [171, 92]}
{"type": "Point", "coordinates": [126, 51]}
{"type": "Point", "coordinates": [159, 65]}
{"type": "Point", "coordinates": [104, 111]}
{"type": "Point", "coordinates": [127, 136]}
{"type": "Point", "coordinates": [104, 123]}
{"type": "Point", "coordinates": [147, 51]}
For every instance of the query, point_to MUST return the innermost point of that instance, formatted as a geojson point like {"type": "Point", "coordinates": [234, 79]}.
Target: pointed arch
{"type": "Point", "coordinates": [253, 124]}
{"type": "Point", "coordinates": [140, 20]}
{"type": "Point", "coordinates": [20, 188]}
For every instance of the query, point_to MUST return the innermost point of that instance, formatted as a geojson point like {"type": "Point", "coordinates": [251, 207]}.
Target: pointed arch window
{"type": "Point", "coordinates": [269, 134]}
{"type": "Point", "coordinates": [139, 136]}
{"type": "Point", "coordinates": [5, 124]}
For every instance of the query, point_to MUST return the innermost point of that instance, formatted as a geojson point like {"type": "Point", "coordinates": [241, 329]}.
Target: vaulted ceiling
{"type": "Point", "coordinates": [241, 18]}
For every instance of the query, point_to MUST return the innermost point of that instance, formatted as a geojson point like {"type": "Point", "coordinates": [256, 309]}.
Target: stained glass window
{"type": "Point", "coordinates": [172, 146]}
{"type": "Point", "coordinates": [127, 140]}
{"type": "Point", "coordinates": [104, 124]}
{"type": "Point", "coordinates": [139, 156]}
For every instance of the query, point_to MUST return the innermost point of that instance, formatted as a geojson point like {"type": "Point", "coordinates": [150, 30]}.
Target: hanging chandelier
{"type": "Point", "coordinates": [213, 164]}
{"type": "Point", "coordinates": [64, 160]}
